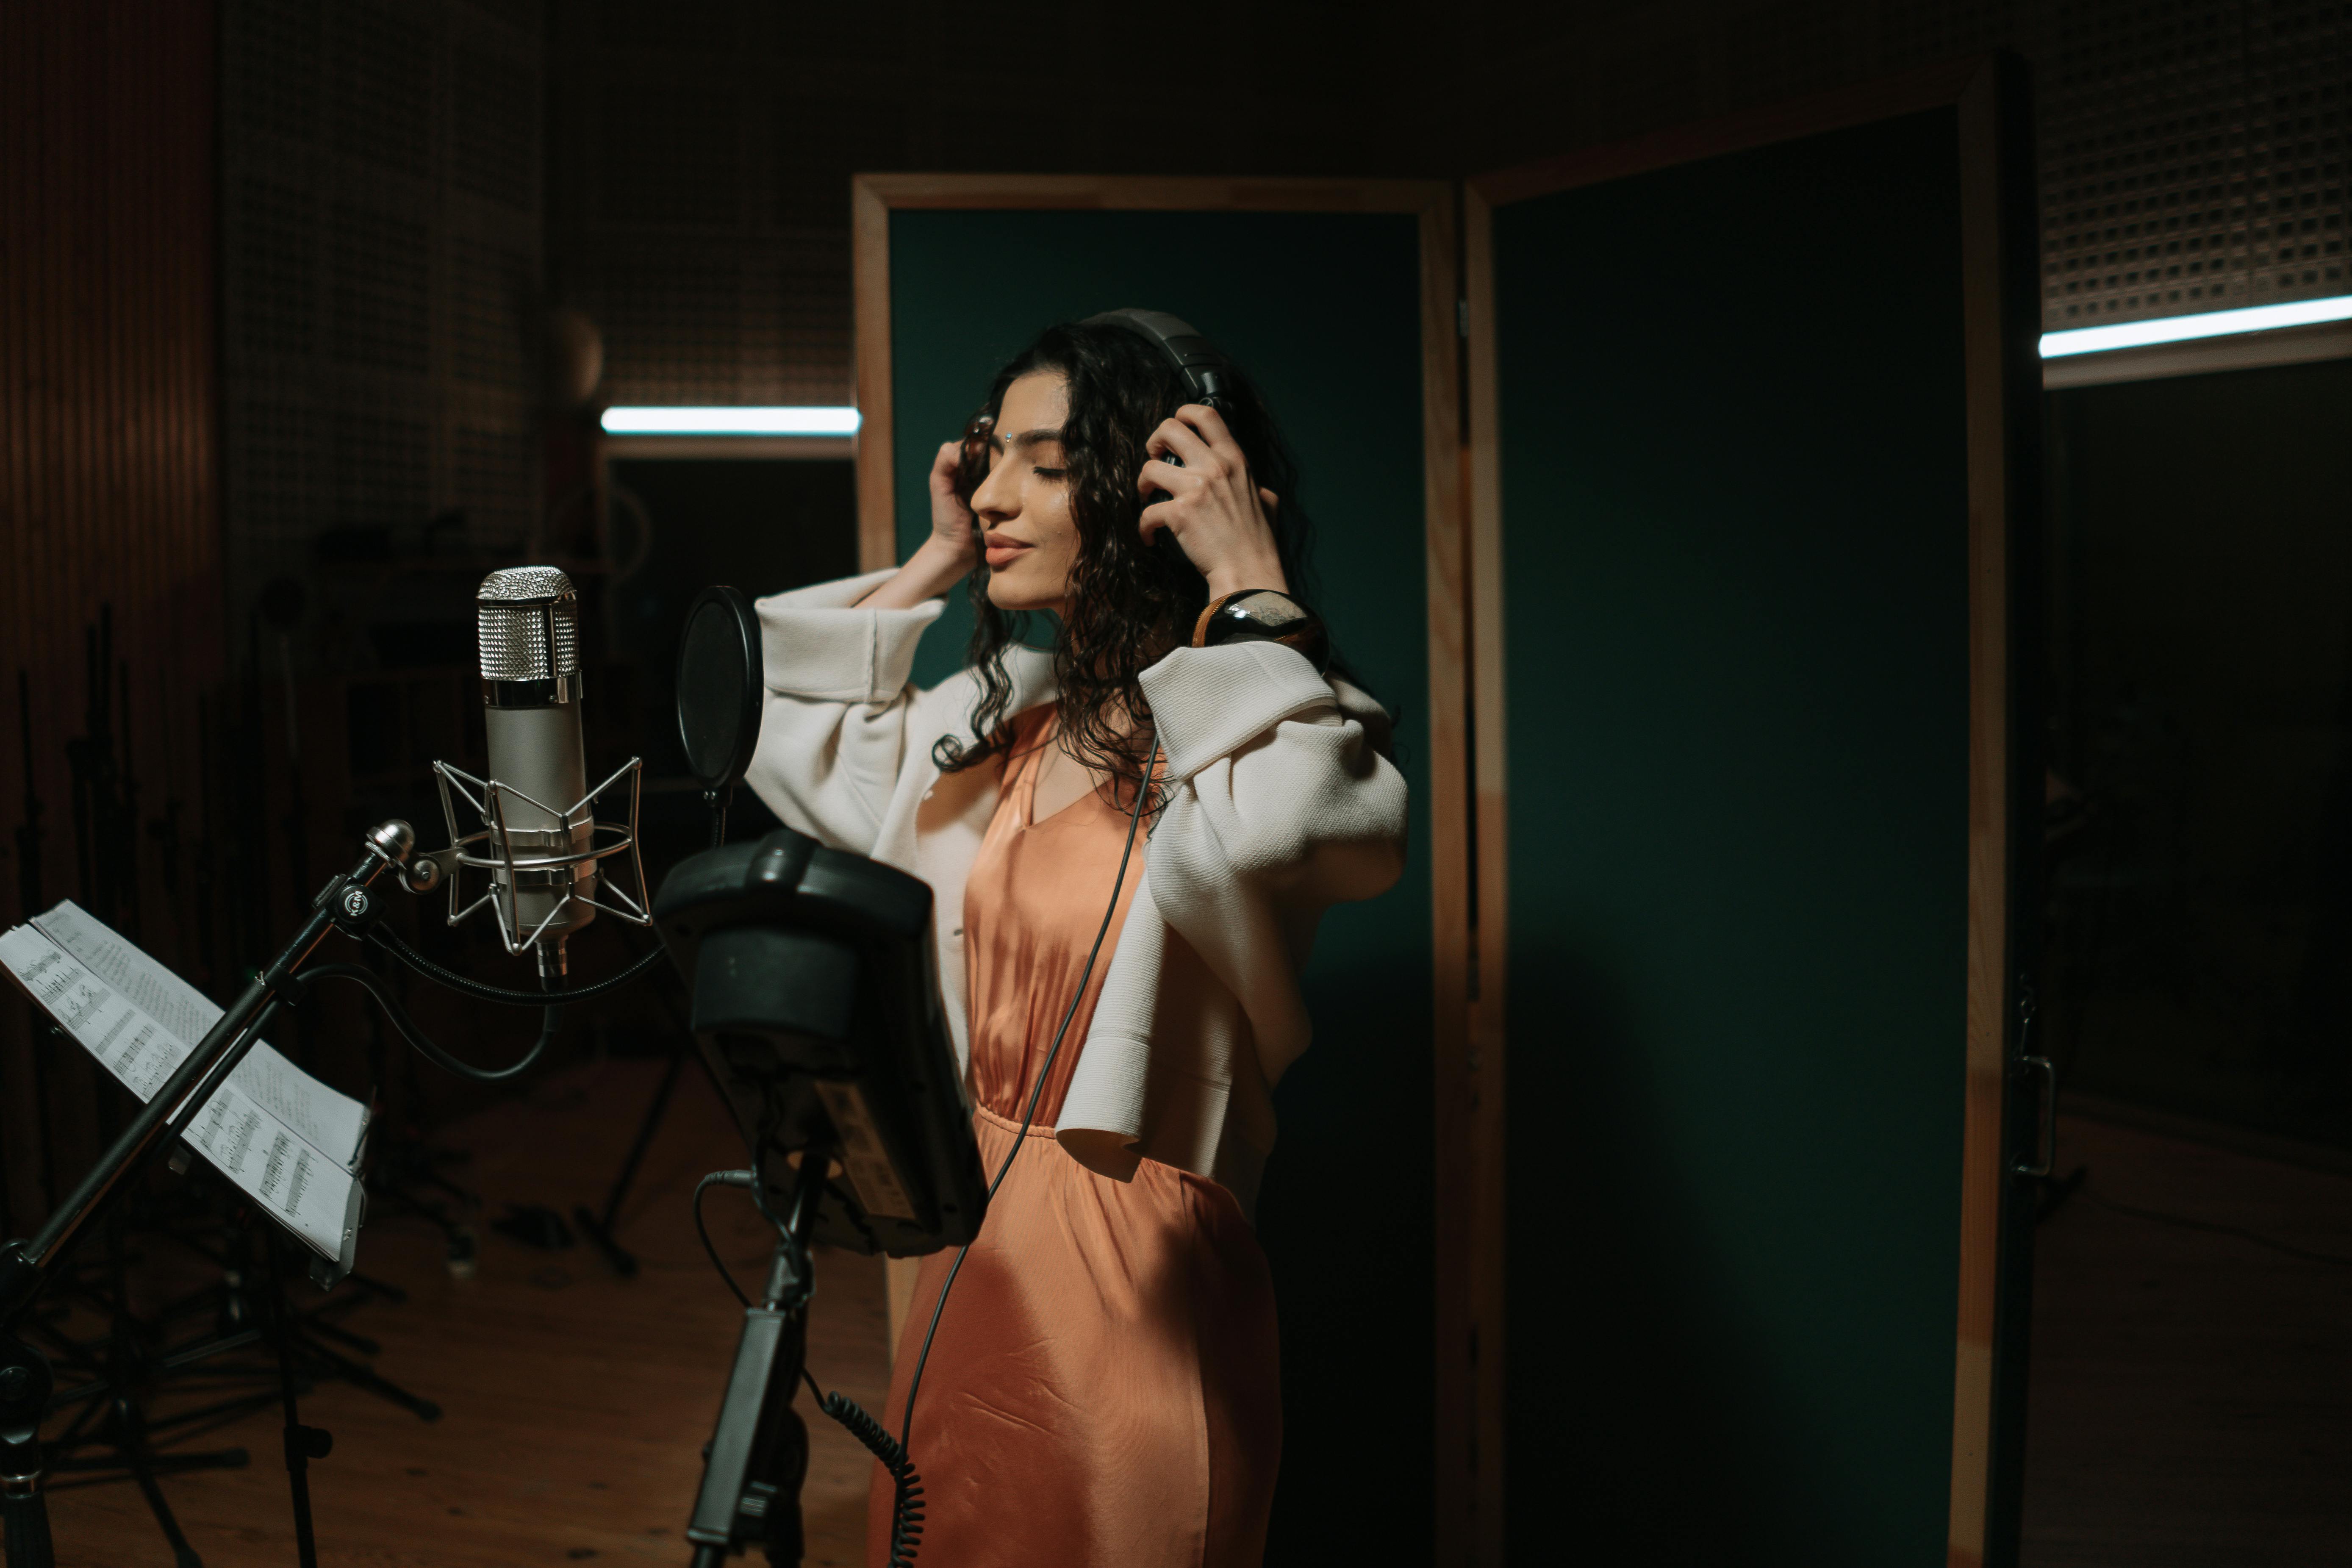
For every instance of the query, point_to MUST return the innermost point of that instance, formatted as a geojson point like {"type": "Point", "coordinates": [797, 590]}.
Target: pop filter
{"type": "Point", "coordinates": [719, 688]}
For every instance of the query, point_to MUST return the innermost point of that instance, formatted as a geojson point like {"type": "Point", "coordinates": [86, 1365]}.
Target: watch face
{"type": "Point", "coordinates": [1267, 608]}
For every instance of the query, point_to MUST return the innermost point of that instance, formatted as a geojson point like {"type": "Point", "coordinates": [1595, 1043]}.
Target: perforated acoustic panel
{"type": "Point", "coordinates": [702, 159]}
{"type": "Point", "coordinates": [381, 258]}
{"type": "Point", "coordinates": [2193, 157]}
{"type": "Point", "coordinates": [2193, 150]}
{"type": "Point", "coordinates": [2193, 153]}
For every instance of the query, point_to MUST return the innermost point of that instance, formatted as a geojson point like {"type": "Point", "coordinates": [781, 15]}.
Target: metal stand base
{"type": "Point", "coordinates": [126, 1431]}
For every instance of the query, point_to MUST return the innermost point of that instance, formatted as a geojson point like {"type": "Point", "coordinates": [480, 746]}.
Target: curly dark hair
{"type": "Point", "coordinates": [1130, 603]}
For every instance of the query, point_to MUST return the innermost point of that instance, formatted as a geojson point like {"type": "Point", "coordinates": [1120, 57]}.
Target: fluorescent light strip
{"type": "Point", "coordinates": [777, 421]}
{"type": "Point", "coordinates": [2186, 329]}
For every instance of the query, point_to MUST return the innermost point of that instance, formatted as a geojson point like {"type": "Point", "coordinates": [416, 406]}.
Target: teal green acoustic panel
{"type": "Point", "coordinates": [1735, 557]}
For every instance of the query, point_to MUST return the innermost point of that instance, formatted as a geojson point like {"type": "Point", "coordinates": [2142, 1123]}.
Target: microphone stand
{"type": "Point", "coordinates": [758, 1456]}
{"type": "Point", "coordinates": [25, 1267]}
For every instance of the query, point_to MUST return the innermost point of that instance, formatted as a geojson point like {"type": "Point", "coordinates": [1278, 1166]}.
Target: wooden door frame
{"type": "Point", "coordinates": [1434, 205]}
{"type": "Point", "coordinates": [1998, 330]}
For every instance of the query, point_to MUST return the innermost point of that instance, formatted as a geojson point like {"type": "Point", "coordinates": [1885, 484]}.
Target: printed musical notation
{"type": "Point", "coordinates": [247, 1140]}
{"type": "Point", "coordinates": [335, 1124]}
{"type": "Point", "coordinates": [68, 991]}
{"type": "Point", "coordinates": [133, 1046]}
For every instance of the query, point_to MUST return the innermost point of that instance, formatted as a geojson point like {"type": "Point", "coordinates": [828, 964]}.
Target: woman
{"type": "Point", "coordinates": [1102, 1384]}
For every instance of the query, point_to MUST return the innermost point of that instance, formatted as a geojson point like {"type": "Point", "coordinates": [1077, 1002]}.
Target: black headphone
{"type": "Point", "coordinates": [1200, 364]}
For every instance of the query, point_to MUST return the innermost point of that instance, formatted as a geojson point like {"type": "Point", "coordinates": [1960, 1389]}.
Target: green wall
{"type": "Point", "coordinates": [1324, 310]}
{"type": "Point", "coordinates": [1734, 558]}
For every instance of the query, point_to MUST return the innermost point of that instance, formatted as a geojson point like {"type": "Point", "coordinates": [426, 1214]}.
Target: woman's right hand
{"type": "Point", "coordinates": [952, 524]}
{"type": "Point", "coordinates": [944, 559]}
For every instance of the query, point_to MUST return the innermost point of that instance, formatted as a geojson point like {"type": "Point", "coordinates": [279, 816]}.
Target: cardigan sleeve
{"type": "Point", "coordinates": [1283, 804]}
{"type": "Point", "coordinates": [833, 723]}
{"type": "Point", "coordinates": [1276, 786]}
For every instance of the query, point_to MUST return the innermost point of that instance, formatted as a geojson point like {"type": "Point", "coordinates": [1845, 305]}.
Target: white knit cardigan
{"type": "Point", "coordinates": [1282, 805]}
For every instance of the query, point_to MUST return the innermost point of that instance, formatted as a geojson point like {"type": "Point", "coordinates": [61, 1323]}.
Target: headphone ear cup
{"type": "Point", "coordinates": [1163, 544]}
{"type": "Point", "coordinates": [972, 463]}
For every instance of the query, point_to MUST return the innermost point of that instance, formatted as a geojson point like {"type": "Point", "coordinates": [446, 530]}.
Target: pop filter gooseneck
{"type": "Point", "coordinates": [719, 693]}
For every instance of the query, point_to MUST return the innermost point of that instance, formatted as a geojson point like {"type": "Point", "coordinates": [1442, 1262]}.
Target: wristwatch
{"type": "Point", "coordinates": [1264, 614]}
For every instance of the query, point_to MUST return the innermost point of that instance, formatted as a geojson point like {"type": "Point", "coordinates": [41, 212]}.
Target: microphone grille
{"type": "Point", "coordinates": [529, 624]}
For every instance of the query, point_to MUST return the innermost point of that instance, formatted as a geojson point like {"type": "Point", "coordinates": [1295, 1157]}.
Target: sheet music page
{"type": "Point", "coordinates": [131, 1046]}
{"type": "Point", "coordinates": [333, 1122]}
{"type": "Point", "coordinates": [113, 958]}
{"type": "Point", "coordinates": [311, 1193]}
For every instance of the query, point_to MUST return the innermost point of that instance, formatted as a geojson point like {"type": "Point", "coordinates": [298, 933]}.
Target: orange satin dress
{"type": "Point", "coordinates": [1104, 1391]}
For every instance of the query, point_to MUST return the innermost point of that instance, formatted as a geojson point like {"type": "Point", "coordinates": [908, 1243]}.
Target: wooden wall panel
{"type": "Point", "coordinates": [108, 465]}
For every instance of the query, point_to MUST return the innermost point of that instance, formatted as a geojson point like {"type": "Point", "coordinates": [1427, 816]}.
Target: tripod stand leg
{"type": "Point", "coordinates": [314, 1327]}
{"type": "Point", "coordinates": [126, 1423]}
{"type": "Point", "coordinates": [365, 1378]}
{"type": "Point", "coordinates": [599, 1227]}
{"type": "Point", "coordinates": [381, 1289]}
{"type": "Point", "coordinates": [303, 1444]}
{"type": "Point", "coordinates": [131, 1436]}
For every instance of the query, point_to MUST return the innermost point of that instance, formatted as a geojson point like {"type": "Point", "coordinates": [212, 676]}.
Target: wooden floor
{"type": "Point", "coordinates": [2191, 1402]}
{"type": "Point", "coordinates": [576, 1404]}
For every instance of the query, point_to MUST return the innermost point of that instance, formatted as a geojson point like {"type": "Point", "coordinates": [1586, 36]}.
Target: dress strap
{"type": "Point", "coordinates": [1028, 763]}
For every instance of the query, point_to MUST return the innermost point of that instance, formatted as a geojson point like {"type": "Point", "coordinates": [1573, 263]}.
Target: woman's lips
{"type": "Point", "coordinates": [1002, 550]}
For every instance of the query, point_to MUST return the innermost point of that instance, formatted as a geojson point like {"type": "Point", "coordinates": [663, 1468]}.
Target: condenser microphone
{"type": "Point", "coordinates": [528, 618]}
{"type": "Point", "coordinates": [539, 838]}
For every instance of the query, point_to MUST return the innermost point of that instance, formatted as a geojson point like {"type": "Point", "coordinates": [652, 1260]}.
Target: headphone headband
{"type": "Point", "coordinates": [1196, 358]}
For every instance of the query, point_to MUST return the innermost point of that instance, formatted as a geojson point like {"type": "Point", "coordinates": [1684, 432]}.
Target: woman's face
{"type": "Point", "coordinates": [1023, 505]}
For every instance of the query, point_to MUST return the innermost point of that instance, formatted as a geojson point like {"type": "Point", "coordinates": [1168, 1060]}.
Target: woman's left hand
{"type": "Point", "coordinates": [1220, 518]}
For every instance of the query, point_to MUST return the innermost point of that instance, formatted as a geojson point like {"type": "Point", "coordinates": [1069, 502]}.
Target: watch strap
{"type": "Point", "coordinates": [1264, 614]}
